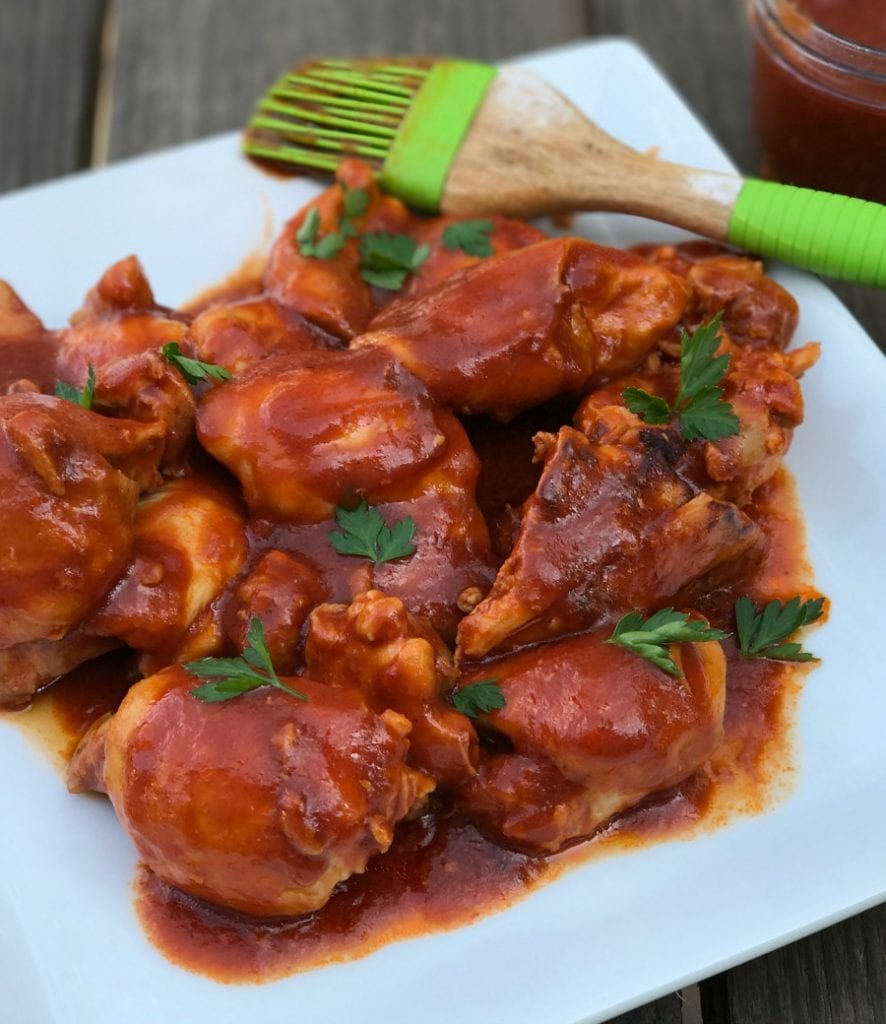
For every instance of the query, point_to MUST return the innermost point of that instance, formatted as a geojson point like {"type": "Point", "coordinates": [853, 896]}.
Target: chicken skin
{"type": "Point", "coordinates": [280, 590]}
{"type": "Point", "coordinates": [118, 318]}
{"type": "Point", "coordinates": [66, 510]}
{"type": "Point", "coordinates": [69, 482]}
{"type": "Point", "coordinates": [761, 385]}
{"type": "Point", "coordinates": [122, 288]}
{"type": "Point", "coordinates": [757, 311]}
{"type": "Point", "coordinates": [594, 729]}
{"type": "Point", "coordinates": [262, 804]}
{"type": "Point", "coordinates": [147, 388]}
{"type": "Point", "coordinates": [609, 529]}
{"type": "Point", "coordinates": [189, 544]}
{"type": "Point", "coordinates": [306, 434]}
{"type": "Point", "coordinates": [396, 661]}
{"type": "Point", "coordinates": [236, 335]}
{"type": "Point", "coordinates": [520, 328]}
{"type": "Point", "coordinates": [331, 293]}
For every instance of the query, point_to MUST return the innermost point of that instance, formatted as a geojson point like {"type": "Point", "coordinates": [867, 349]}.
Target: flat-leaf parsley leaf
{"type": "Point", "coordinates": [699, 406]}
{"type": "Point", "coordinates": [471, 236]}
{"type": "Point", "coordinates": [232, 676]}
{"type": "Point", "coordinates": [761, 634]}
{"type": "Point", "coordinates": [650, 639]}
{"type": "Point", "coordinates": [478, 698]}
{"type": "Point", "coordinates": [79, 396]}
{"type": "Point", "coordinates": [193, 370]}
{"type": "Point", "coordinates": [364, 534]}
{"type": "Point", "coordinates": [386, 260]}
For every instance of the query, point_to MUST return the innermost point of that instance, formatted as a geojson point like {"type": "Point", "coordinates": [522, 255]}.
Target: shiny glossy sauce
{"type": "Point", "coordinates": [863, 21]}
{"type": "Point", "coordinates": [442, 872]}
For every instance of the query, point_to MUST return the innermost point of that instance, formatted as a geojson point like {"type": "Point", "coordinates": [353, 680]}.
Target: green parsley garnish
{"type": "Point", "coordinates": [650, 639]}
{"type": "Point", "coordinates": [365, 535]}
{"type": "Point", "coordinates": [478, 698]}
{"type": "Point", "coordinates": [233, 676]}
{"type": "Point", "coordinates": [192, 369]}
{"type": "Point", "coordinates": [308, 244]}
{"type": "Point", "coordinates": [386, 260]}
{"type": "Point", "coordinates": [699, 406]}
{"type": "Point", "coordinates": [79, 396]}
{"type": "Point", "coordinates": [762, 634]}
{"type": "Point", "coordinates": [355, 204]}
{"type": "Point", "coordinates": [471, 236]}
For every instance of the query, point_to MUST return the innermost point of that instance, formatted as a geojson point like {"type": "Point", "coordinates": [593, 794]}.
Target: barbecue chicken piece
{"type": "Point", "coordinates": [190, 543]}
{"type": "Point", "coordinates": [69, 481]}
{"type": "Point", "coordinates": [16, 319]}
{"type": "Point", "coordinates": [594, 729]}
{"type": "Point", "coordinates": [396, 661]}
{"type": "Point", "coordinates": [522, 327]}
{"type": "Point", "coordinates": [280, 590]}
{"type": "Point", "coordinates": [146, 387]}
{"type": "Point", "coordinates": [757, 311]}
{"type": "Point", "coordinates": [609, 529]}
{"type": "Point", "coordinates": [763, 389]}
{"type": "Point", "coordinates": [443, 262]}
{"type": "Point", "coordinates": [306, 434]}
{"type": "Point", "coordinates": [330, 290]}
{"type": "Point", "coordinates": [262, 803]}
{"type": "Point", "coordinates": [331, 293]}
{"type": "Point", "coordinates": [123, 288]}
{"type": "Point", "coordinates": [237, 334]}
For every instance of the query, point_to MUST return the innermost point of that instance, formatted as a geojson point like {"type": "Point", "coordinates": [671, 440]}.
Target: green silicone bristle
{"type": "Point", "coordinates": [405, 118]}
{"type": "Point", "coordinates": [332, 109]}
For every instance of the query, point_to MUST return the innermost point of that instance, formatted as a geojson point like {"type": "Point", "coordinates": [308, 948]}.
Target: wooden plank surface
{"type": "Point", "coordinates": [190, 69]}
{"type": "Point", "coordinates": [49, 60]}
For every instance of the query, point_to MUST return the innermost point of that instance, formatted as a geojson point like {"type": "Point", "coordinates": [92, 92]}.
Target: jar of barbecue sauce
{"type": "Point", "coordinates": [820, 93]}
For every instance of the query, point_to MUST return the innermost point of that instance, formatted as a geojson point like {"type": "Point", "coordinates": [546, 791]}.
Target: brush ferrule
{"type": "Point", "coordinates": [431, 133]}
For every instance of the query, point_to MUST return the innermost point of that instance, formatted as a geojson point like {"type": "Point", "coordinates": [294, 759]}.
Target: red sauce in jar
{"type": "Point", "coordinates": [862, 21]}
{"type": "Point", "coordinates": [820, 93]}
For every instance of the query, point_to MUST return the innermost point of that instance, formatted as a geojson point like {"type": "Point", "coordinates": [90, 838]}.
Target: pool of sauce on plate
{"type": "Point", "coordinates": [442, 872]}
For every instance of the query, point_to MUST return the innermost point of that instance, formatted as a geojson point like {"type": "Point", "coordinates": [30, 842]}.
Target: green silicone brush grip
{"type": "Point", "coordinates": [829, 234]}
{"type": "Point", "coordinates": [429, 138]}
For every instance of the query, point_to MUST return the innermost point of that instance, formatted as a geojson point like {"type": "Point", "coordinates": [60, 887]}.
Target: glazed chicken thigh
{"type": "Point", "coordinates": [262, 804]}
{"type": "Point", "coordinates": [594, 729]}
{"type": "Point", "coordinates": [69, 482]}
{"type": "Point", "coordinates": [576, 313]}
{"type": "Point", "coordinates": [610, 528]}
{"type": "Point", "coordinates": [396, 661]}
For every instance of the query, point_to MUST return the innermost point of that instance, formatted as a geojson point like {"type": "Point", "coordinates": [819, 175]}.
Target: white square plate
{"type": "Point", "coordinates": [607, 936]}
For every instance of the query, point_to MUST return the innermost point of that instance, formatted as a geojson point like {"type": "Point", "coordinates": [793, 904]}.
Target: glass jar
{"type": "Point", "coordinates": [820, 98]}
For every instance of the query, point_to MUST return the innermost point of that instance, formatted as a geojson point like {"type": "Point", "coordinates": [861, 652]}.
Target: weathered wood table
{"type": "Point", "coordinates": [83, 82]}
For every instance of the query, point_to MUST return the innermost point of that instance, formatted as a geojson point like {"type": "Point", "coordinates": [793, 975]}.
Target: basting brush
{"type": "Point", "coordinates": [466, 138]}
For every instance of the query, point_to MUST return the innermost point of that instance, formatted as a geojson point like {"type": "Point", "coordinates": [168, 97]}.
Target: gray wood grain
{"type": "Point", "coordinates": [49, 56]}
{"type": "Point", "coordinates": [192, 69]}
{"type": "Point", "coordinates": [838, 975]}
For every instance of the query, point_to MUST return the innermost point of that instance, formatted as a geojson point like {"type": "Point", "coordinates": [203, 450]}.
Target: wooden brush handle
{"type": "Point", "coordinates": [529, 152]}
